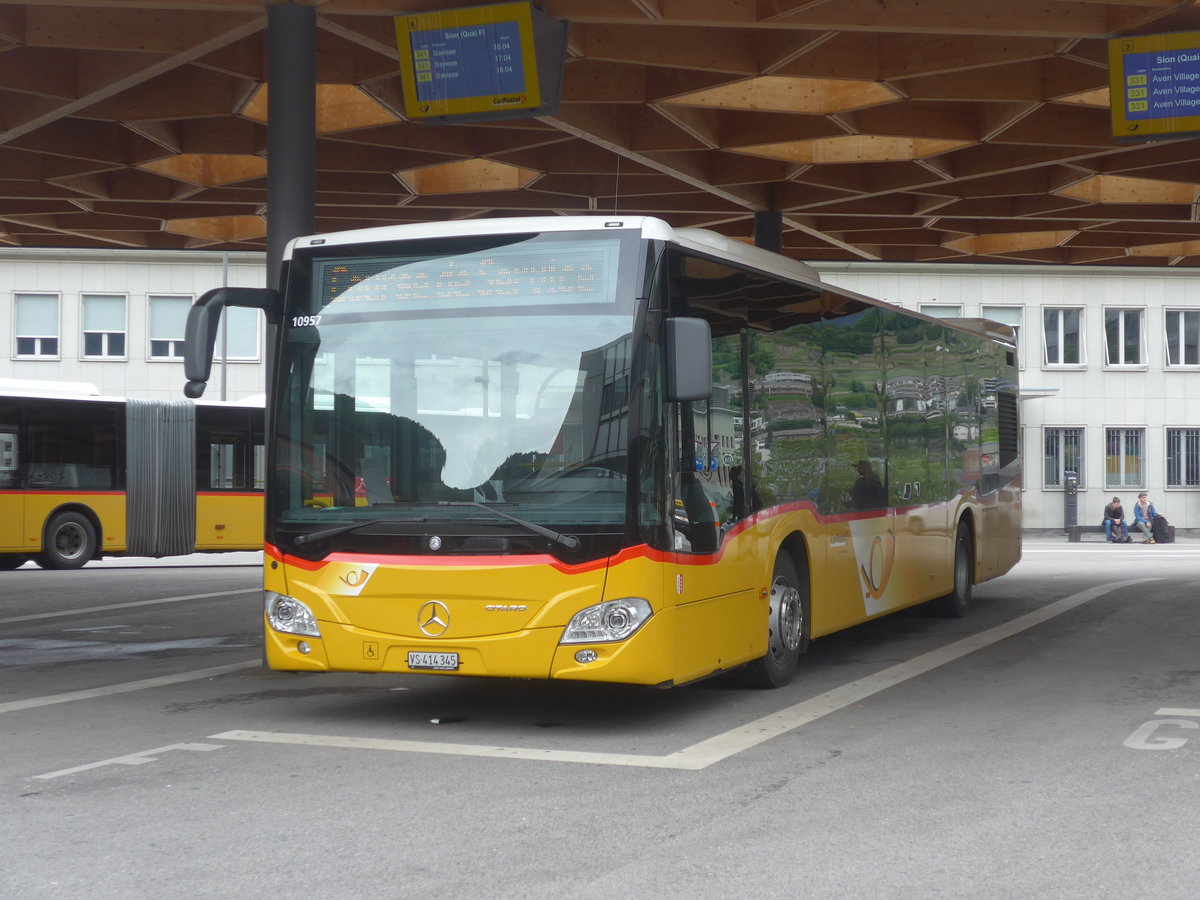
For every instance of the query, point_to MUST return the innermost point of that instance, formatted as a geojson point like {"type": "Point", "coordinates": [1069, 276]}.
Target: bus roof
{"type": "Point", "coordinates": [31, 388]}
{"type": "Point", "coordinates": [28, 387]}
{"type": "Point", "coordinates": [79, 390]}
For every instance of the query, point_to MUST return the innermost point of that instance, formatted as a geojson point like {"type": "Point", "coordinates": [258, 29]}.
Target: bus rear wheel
{"type": "Point", "coordinates": [788, 627]}
{"type": "Point", "coordinates": [69, 542]}
{"type": "Point", "coordinates": [956, 603]}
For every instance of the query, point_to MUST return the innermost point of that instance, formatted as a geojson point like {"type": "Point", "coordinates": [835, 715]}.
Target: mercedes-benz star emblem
{"type": "Point", "coordinates": [433, 618]}
{"type": "Point", "coordinates": [435, 543]}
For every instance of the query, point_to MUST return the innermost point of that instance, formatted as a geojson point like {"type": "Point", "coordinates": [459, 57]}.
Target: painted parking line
{"type": "Point", "coordinates": [737, 740]}
{"type": "Point", "coordinates": [143, 684]}
{"type": "Point", "coordinates": [131, 759]}
{"type": "Point", "coordinates": [83, 610]}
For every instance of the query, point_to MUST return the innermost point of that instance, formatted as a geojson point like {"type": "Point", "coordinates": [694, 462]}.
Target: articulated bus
{"type": "Point", "coordinates": [605, 449]}
{"type": "Point", "coordinates": [83, 476]}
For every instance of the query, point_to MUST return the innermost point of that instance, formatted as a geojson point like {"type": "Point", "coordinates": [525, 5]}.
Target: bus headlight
{"type": "Point", "coordinates": [613, 620]}
{"type": "Point", "coordinates": [289, 615]}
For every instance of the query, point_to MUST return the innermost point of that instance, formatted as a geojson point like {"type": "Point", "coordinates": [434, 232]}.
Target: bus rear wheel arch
{"type": "Point", "coordinates": [68, 541]}
{"type": "Point", "coordinates": [788, 622]}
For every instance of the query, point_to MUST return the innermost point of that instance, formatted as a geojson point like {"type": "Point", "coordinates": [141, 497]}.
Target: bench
{"type": "Point", "coordinates": [1075, 533]}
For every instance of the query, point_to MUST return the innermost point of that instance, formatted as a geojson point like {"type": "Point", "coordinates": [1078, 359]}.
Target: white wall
{"type": "Point", "coordinates": [1094, 396]}
{"type": "Point", "coordinates": [135, 275]}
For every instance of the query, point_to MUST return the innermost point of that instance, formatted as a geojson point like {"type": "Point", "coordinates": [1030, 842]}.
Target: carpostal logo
{"type": "Point", "coordinates": [877, 571]}
{"type": "Point", "coordinates": [349, 580]}
{"type": "Point", "coordinates": [509, 100]}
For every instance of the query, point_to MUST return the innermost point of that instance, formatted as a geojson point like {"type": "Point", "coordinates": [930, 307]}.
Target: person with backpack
{"type": "Point", "coordinates": [1114, 520]}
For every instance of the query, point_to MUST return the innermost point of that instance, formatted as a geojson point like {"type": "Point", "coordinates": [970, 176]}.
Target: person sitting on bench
{"type": "Point", "coordinates": [1114, 520]}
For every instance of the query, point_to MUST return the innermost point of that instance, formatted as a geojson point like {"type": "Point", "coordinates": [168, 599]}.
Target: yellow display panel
{"type": "Point", "coordinates": [1154, 85]}
{"type": "Point", "coordinates": [468, 61]}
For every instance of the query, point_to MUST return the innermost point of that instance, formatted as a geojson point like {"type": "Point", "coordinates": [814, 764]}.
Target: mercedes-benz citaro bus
{"type": "Point", "coordinates": [606, 449]}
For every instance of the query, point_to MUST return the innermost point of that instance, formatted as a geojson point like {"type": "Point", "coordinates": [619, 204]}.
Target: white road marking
{"type": "Point", "coordinates": [131, 604]}
{"type": "Point", "coordinates": [1158, 550]}
{"type": "Point", "coordinates": [131, 759]}
{"type": "Point", "coordinates": [1143, 738]}
{"type": "Point", "coordinates": [722, 746]}
{"type": "Point", "coordinates": [353, 743]}
{"type": "Point", "coordinates": [1171, 711]}
{"type": "Point", "coordinates": [128, 686]}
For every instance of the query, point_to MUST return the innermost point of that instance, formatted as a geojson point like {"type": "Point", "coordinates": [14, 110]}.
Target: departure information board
{"type": "Point", "coordinates": [468, 61]}
{"type": "Point", "coordinates": [1154, 85]}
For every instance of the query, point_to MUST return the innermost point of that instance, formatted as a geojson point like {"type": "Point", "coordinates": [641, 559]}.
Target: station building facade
{"type": "Point", "coordinates": [115, 319]}
{"type": "Point", "coordinates": [1109, 357]}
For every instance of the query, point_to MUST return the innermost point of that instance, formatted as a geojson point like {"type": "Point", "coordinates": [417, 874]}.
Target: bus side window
{"type": "Point", "coordinates": [220, 466]}
{"type": "Point", "coordinates": [9, 458]}
{"type": "Point", "coordinates": [260, 464]}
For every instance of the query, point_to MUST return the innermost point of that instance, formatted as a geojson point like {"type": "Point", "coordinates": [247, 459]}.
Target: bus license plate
{"type": "Point", "coordinates": [445, 661]}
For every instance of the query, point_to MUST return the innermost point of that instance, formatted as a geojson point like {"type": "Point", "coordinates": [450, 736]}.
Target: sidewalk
{"type": "Point", "coordinates": [237, 558]}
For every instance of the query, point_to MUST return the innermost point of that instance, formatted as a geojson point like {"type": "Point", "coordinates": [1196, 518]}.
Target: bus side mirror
{"type": "Point", "coordinates": [689, 359]}
{"type": "Point", "coordinates": [203, 318]}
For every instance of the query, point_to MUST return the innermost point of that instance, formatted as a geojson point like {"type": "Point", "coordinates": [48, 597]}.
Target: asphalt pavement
{"type": "Point", "coordinates": [1047, 745]}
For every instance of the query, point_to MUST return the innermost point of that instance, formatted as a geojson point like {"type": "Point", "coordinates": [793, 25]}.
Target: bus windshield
{"type": "Point", "coordinates": [431, 379]}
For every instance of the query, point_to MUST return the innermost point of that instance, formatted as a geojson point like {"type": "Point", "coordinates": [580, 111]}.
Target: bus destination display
{"type": "Point", "coordinates": [1155, 85]}
{"type": "Point", "coordinates": [476, 281]}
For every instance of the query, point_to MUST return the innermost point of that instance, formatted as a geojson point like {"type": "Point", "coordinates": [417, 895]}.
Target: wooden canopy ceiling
{"type": "Point", "coordinates": [880, 129]}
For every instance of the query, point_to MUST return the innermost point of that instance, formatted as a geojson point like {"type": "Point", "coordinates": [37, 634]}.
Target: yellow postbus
{"type": "Point", "coordinates": [606, 449]}
{"type": "Point", "coordinates": [84, 476]}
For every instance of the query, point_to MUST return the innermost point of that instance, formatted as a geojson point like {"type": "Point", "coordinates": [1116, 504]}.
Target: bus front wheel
{"type": "Point", "coordinates": [788, 627]}
{"type": "Point", "coordinates": [69, 542]}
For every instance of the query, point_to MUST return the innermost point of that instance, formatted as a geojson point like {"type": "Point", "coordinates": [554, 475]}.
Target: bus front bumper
{"type": "Point", "coordinates": [643, 658]}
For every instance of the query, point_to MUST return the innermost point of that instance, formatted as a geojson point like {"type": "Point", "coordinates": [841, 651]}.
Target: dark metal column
{"type": "Point", "coordinates": [768, 230]}
{"type": "Point", "coordinates": [291, 128]}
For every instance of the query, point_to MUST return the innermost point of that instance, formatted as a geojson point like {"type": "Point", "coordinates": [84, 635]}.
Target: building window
{"type": "Point", "coordinates": [242, 341]}
{"type": "Point", "coordinates": [1063, 333]}
{"type": "Point", "coordinates": [168, 320]}
{"type": "Point", "coordinates": [1123, 457]}
{"type": "Point", "coordinates": [1123, 337]}
{"type": "Point", "coordinates": [103, 326]}
{"type": "Point", "coordinates": [1183, 337]}
{"type": "Point", "coordinates": [1006, 315]}
{"type": "Point", "coordinates": [1064, 453]}
{"type": "Point", "coordinates": [942, 310]}
{"type": "Point", "coordinates": [1183, 457]}
{"type": "Point", "coordinates": [36, 325]}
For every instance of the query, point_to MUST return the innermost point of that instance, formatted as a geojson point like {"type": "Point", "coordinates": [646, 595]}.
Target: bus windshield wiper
{"type": "Point", "coordinates": [314, 536]}
{"type": "Point", "coordinates": [567, 540]}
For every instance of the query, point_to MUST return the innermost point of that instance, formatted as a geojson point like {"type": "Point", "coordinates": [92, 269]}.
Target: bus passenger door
{"type": "Point", "coordinates": [713, 574]}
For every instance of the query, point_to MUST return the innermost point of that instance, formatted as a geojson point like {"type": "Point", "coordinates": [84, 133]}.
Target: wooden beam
{"type": "Point", "coordinates": [1022, 18]}
{"type": "Point", "coordinates": [703, 49]}
{"type": "Point", "coordinates": [232, 28]}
